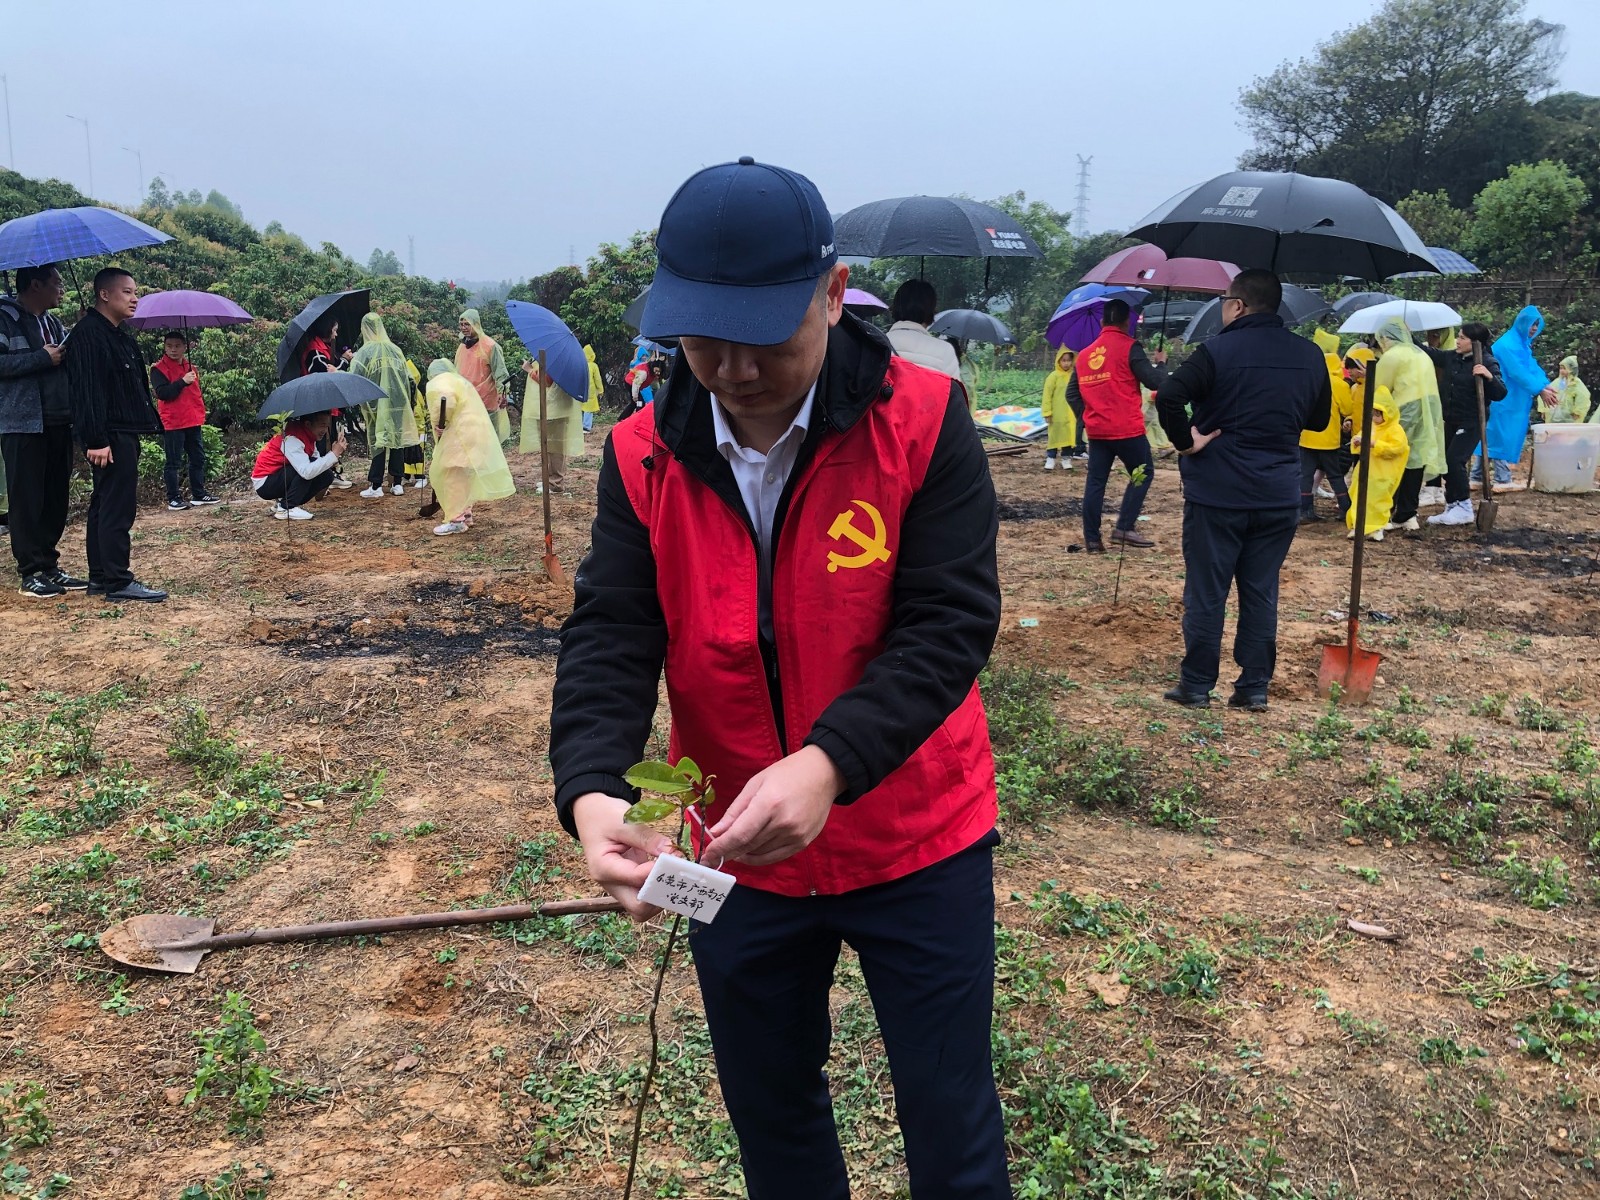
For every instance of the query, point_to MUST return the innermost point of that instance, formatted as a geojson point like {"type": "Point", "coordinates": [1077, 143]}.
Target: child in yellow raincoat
{"type": "Point", "coordinates": [563, 427]}
{"type": "Point", "coordinates": [468, 463]}
{"type": "Point", "coordinates": [597, 388]}
{"type": "Point", "coordinates": [1390, 450]}
{"type": "Point", "coordinates": [417, 456]}
{"type": "Point", "coordinates": [1320, 449]}
{"type": "Point", "coordinates": [1063, 432]}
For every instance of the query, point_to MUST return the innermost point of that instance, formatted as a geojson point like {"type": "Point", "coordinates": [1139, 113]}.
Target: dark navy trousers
{"type": "Point", "coordinates": [926, 944]}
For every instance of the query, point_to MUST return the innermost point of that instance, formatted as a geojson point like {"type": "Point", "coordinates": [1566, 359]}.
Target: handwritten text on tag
{"type": "Point", "coordinates": [689, 888]}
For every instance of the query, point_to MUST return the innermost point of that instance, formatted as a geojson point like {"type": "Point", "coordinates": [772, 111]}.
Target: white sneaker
{"type": "Point", "coordinates": [1376, 535]}
{"type": "Point", "coordinates": [299, 514]}
{"type": "Point", "coordinates": [450, 527]}
{"type": "Point", "coordinates": [1067, 464]}
{"type": "Point", "coordinates": [1326, 493]}
{"type": "Point", "coordinates": [372, 493]}
{"type": "Point", "coordinates": [422, 482]}
{"type": "Point", "coordinates": [399, 489]}
{"type": "Point", "coordinates": [340, 482]}
{"type": "Point", "coordinates": [1409, 523]}
{"type": "Point", "coordinates": [1459, 513]}
{"type": "Point", "coordinates": [1050, 464]}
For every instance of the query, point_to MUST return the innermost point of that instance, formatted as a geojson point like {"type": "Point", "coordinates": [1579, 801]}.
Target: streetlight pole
{"type": "Point", "coordinates": [138, 158]}
{"type": "Point", "coordinates": [11, 150]}
{"type": "Point", "coordinates": [87, 147]}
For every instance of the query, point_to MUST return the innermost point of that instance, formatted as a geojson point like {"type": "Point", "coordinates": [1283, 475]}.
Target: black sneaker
{"type": "Point", "coordinates": [177, 505]}
{"type": "Point", "coordinates": [41, 588]}
{"type": "Point", "coordinates": [206, 498]}
{"type": "Point", "coordinates": [1252, 702]}
{"type": "Point", "coordinates": [1188, 699]}
{"type": "Point", "coordinates": [136, 591]}
{"type": "Point", "coordinates": [70, 583]}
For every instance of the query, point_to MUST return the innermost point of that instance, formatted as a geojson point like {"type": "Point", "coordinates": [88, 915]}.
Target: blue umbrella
{"type": "Point", "coordinates": [1450, 263]}
{"type": "Point", "coordinates": [322, 392]}
{"type": "Point", "coordinates": [59, 234]}
{"type": "Point", "coordinates": [540, 329]}
{"type": "Point", "coordinates": [1076, 322]}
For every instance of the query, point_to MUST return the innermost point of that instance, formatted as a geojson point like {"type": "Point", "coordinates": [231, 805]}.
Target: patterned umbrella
{"type": "Point", "coordinates": [59, 234]}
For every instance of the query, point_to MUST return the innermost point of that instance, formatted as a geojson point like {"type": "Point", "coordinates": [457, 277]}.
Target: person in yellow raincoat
{"type": "Point", "coordinates": [1390, 451]}
{"type": "Point", "coordinates": [1320, 449]}
{"type": "Point", "coordinates": [1571, 404]}
{"type": "Point", "coordinates": [563, 427]}
{"type": "Point", "coordinates": [417, 456]}
{"type": "Point", "coordinates": [468, 464]}
{"type": "Point", "coordinates": [391, 425]}
{"type": "Point", "coordinates": [1063, 432]}
{"type": "Point", "coordinates": [597, 388]}
{"type": "Point", "coordinates": [1407, 371]}
{"type": "Point", "coordinates": [480, 361]}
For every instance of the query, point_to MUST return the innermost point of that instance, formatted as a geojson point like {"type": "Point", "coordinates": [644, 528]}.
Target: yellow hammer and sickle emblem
{"type": "Point", "coordinates": [872, 548]}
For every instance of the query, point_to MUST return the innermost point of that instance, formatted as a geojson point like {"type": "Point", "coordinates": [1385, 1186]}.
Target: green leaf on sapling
{"type": "Point", "coordinates": [652, 808]}
{"type": "Point", "coordinates": [689, 769]}
{"type": "Point", "coordinates": [657, 777]}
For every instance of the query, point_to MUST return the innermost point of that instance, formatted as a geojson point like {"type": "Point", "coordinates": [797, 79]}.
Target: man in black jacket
{"type": "Point", "coordinates": [36, 430]}
{"type": "Point", "coordinates": [1457, 373]}
{"type": "Point", "coordinates": [111, 408]}
{"type": "Point", "coordinates": [856, 802]}
{"type": "Point", "coordinates": [1235, 410]}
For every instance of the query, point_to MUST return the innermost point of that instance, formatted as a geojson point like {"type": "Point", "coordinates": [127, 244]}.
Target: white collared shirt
{"type": "Point", "coordinates": [762, 477]}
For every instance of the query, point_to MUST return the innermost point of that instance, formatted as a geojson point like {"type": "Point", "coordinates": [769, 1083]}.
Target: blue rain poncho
{"type": "Point", "coordinates": [1524, 379]}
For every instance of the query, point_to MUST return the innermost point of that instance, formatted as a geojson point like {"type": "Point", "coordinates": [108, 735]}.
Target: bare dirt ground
{"type": "Point", "coordinates": [1181, 1008]}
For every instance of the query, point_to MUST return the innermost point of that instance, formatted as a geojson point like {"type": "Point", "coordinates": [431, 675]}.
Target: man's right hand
{"type": "Point", "coordinates": [339, 446]}
{"type": "Point", "coordinates": [56, 353]}
{"type": "Point", "coordinates": [99, 458]}
{"type": "Point", "coordinates": [619, 855]}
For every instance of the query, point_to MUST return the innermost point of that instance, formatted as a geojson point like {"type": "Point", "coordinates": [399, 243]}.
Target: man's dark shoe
{"type": "Point", "coordinates": [1308, 515]}
{"type": "Point", "coordinates": [1095, 547]}
{"type": "Point", "coordinates": [1131, 537]}
{"type": "Point", "coordinates": [177, 505]}
{"type": "Point", "coordinates": [41, 588]}
{"type": "Point", "coordinates": [136, 591]}
{"type": "Point", "coordinates": [70, 583]}
{"type": "Point", "coordinates": [1255, 702]}
{"type": "Point", "coordinates": [206, 498]}
{"type": "Point", "coordinates": [1188, 699]}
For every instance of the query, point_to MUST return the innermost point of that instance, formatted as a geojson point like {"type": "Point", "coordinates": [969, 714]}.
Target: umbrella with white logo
{"type": "Point", "coordinates": [931, 227]}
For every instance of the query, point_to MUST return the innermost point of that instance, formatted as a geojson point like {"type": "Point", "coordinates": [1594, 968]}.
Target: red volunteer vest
{"type": "Point", "coordinates": [272, 458]}
{"type": "Point", "coordinates": [1112, 405]}
{"type": "Point", "coordinates": [834, 562]}
{"type": "Point", "coordinates": [187, 410]}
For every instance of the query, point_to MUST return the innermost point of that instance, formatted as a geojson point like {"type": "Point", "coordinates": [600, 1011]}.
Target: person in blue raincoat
{"type": "Point", "coordinates": [1524, 379]}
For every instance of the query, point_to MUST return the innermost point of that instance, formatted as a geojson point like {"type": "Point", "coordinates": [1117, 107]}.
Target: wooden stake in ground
{"type": "Point", "coordinates": [552, 564]}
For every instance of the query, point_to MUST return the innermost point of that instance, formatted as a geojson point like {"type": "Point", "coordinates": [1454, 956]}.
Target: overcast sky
{"type": "Point", "coordinates": [510, 135]}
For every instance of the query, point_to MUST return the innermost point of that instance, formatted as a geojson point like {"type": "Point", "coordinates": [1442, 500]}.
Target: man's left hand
{"type": "Point", "coordinates": [1482, 372]}
{"type": "Point", "coordinates": [780, 812]}
{"type": "Point", "coordinates": [1159, 357]}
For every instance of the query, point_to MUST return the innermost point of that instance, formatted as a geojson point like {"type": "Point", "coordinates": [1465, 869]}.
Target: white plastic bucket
{"type": "Point", "coordinates": [1564, 457]}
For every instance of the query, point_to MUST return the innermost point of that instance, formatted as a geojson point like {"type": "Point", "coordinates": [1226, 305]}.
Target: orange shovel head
{"type": "Point", "coordinates": [1353, 669]}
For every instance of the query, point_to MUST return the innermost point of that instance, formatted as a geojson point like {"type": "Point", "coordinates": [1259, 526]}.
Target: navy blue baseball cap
{"type": "Point", "coordinates": [739, 252]}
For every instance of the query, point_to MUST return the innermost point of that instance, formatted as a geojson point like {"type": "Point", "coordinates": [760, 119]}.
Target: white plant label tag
{"type": "Point", "coordinates": [688, 888]}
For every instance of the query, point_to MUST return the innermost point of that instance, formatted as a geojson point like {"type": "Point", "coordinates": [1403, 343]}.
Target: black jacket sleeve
{"type": "Point", "coordinates": [1074, 392]}
{"type": "Point", "coordinates": [1145, 371]}
{"type": "Point", "coordinates": [16, 362]}
{"type": "Point", "coordinates": [613, 647]}
{"type": "Point", "coordinates": [163, 389]}
{"type": "Point", "coordinates": [86, 373]}
{"type": "Point", "coordinates": [946, 616]}
{"type": "Point", "coordinates": [1494, 388]}
{"type": "Point", "coordinates": [1183, 392]}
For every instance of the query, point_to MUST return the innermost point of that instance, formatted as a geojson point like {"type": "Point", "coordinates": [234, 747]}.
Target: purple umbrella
{"type": "Point", "coordinates": [187, 310]}
{"type": "Point", "coordinates": [856, 298]}
{"type": "Point", "coordinates": [1077, 320]}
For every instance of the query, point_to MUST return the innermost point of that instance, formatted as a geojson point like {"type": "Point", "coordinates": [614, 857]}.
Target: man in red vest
{"type": "Point", "coordinates": [183, 414]}
{"type": "Point", "coordinates": [1109, 372]}
{"type": "Point", "coordinates": [801, 532]}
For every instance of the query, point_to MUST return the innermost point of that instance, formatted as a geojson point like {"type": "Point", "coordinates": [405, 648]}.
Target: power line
{"type": "Point", "coordinates": [1081, 216]}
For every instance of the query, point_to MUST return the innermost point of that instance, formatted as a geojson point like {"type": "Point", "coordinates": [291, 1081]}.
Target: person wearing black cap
{"type": "Point", "coordinates": [812, 519]}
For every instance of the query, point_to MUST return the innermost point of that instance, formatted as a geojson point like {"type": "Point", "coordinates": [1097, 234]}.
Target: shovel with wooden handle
{"type": "Point", "coordinates": [1350, 668]}
{"type": "Point", "coordinates": [174, 944]}
{"type": "Point", "coordinates": [1487, 507]}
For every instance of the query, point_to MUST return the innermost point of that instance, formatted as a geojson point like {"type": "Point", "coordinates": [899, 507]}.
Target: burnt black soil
{"type": "Point", "coordinates": [1039, 510]}
{"type": "Point", "coordinates": [445, 625]}
{"type": "Point", "coordinates": [1543, 551]}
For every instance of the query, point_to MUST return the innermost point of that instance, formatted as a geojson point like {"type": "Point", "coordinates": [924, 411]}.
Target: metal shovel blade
{"type": "Point", "coordinates": [1353, 669]}
{"type": "Point", "coordinates": [154, 942]}
{"type": "Point", "coordinates": [1486, 514]}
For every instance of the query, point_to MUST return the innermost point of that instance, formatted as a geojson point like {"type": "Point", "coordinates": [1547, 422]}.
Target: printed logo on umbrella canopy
{"type": "Point", "coordinates": [1235, 202]}
{"type": "Point", "coordinates": [1005, 239]}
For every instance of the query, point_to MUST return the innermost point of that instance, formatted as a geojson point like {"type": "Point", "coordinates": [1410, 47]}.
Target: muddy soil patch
{"type": "Point", "coordinates": [1039, 510]}
{"type": "Point", "coordinates": [444, 625]}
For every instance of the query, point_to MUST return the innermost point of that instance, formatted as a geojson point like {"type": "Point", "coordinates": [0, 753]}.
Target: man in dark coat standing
{"type": "Point", "coordinates": [1235, 411]}
{"type": "Point", "coordinates": [111, 409]}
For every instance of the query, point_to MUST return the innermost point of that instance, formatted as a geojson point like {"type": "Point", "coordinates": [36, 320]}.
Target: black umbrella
{"type": "Point", "coordinates": [1170, 313]}
{"type": "Point", "coordinates": [345, 307]}
{"type": "Point", "coordinates": [1299, 306]}
{"type": "Point", "coordinates": [931, 226]}
{"type": "Point", "coordinates": [1287, 223]}
{"type": "Point", "coordinates": [322, 392]}
{"type": "Point", "coordinates": [1356, 301]}
{"type": "Point", "coordinates": [970, 325]}
{"type": "Point", "coordinates": [634, 313]}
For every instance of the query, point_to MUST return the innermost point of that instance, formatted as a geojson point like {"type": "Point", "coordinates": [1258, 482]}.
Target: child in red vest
{"type": "Point", "coordinates": [183, 415]}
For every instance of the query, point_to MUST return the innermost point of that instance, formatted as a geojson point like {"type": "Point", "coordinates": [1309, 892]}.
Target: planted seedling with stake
{"type": "Point", "coordinates": [685, 790]}
{"type": "Point", "coordinates": [1136, 478]}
